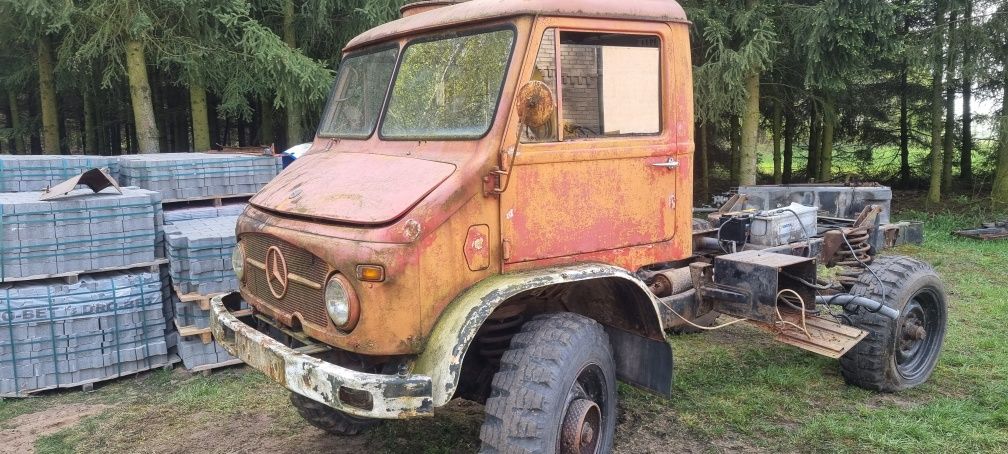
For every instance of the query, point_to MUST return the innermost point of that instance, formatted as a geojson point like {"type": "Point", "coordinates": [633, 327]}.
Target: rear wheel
{"type": "Point", "coordinates": [330, 419]}
{"type": "Point", "coordinates": [555, 391]}
{"type": "Point", "coordinates": [897, 354]}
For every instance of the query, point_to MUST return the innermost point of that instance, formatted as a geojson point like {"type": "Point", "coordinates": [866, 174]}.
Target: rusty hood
{"type": "Point", "coordinates": [356, 188]}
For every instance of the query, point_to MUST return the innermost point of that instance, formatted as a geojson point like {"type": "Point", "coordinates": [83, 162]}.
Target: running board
{"type": "Point", "coordinates": [825, 337]}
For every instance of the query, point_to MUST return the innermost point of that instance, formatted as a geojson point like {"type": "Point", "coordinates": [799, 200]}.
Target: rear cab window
{"type": "Point", "coordinates": [610, 85]}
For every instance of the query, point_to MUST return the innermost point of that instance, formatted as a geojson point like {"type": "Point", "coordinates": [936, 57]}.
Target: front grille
{"type": "Point", "coordinates": [300, 298]}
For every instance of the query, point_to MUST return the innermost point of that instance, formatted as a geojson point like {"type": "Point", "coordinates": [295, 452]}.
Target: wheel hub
{"type": "Point", "coordinates": [913, 331]}
{"type": "Point", "coordinates": [581, 426]}
{"type": "Point", "coordinates": [919, 337]}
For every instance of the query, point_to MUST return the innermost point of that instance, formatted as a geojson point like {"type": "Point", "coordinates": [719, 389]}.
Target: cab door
{"type": "Point", "coordinates": [603, 180]}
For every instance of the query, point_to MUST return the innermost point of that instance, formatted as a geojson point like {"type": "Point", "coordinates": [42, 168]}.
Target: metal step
{"type": "Point", "coordinates": [825, 337]}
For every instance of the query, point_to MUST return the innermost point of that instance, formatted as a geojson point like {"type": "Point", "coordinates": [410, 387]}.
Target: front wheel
{"type": "Point", "coordinates": [897, 354]}
{"type": "Point", "coordinates": [555, 390]}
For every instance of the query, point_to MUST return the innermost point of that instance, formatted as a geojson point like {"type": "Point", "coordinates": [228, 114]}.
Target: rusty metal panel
{"type": "Point", "coordinates": [388, 323]}
{"type": "Point", "coordinates": [605, 197]}
{"type": "Point", "coordinates": [989, 231]}
{"type": "Point", "coordinates": [304, 302]}
{"type": "Point", "coordinates": [746, 284]}
{"type": "Point", "coordinates": [476, 11]}
{"type": "Point", "coordinates": [460, 320]}
{"type": "Point", "coordinates": [570, 208]}
{"type": "Point", "coordinates": [351, 187]}
{"type": "Point", "coordinates": [824, 337]}
{"type": "Point", "coordinates": [836, 200]}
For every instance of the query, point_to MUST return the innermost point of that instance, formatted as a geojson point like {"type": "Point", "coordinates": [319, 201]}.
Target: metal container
{"type": "Point", "coordinates": [832, 200]}
{"type": "Point", "coordinates": [783, 225]}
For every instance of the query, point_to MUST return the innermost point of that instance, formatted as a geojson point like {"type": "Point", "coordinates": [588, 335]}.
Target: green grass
{"type": "Point", "coordinates": [735, 390]}
{"type": "Point", "coordinates": [735, 385]}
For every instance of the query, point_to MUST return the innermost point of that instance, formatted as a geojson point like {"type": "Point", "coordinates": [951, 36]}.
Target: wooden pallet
{"type": "Point", "coordinates": [207, 368]}
{"type": "Point", "coordinates": [215, 201]}
{"type": "Point", "coordinates": [73, 277]}
{"type": "Point", "coordinates": [204, 334]}
{"type": "Point", "coordinates": [88, 385]}
{"type": "Point", "coordinates": [203, 301]}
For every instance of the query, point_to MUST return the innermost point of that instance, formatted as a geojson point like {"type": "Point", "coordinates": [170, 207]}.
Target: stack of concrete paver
{"type": "Point", "coordinates": [199, 254]}
{"type": "Point", "coordinates": [80, 233]}
{"type": "Point", "coordinates": [189, 176]}
{"type": "Point", "coordinates": [196, 354]}
{"type": "Point", "coordinates": [60, 335]}
{"type": "Point", "coordinates": [189, 214]}
{"type": "Point", "coordinates": [25, 173]}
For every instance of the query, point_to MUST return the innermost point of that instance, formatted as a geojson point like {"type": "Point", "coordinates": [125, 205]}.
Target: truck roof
{"type": "Point", "coordinates": [475, 11]}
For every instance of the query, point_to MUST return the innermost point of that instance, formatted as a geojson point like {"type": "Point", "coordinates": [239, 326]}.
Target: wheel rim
{"type": "Point", "coordinates": [583, 423]}
{"type": "Point", "coordinates": [919, 335]}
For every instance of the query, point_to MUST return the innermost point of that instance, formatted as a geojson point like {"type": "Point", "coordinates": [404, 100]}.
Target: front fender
{"type": "Point", "coordinates": [456, 328]}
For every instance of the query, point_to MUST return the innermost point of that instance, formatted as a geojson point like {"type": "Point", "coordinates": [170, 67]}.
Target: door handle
{"type": "Point", "coordinates": [672, 163]}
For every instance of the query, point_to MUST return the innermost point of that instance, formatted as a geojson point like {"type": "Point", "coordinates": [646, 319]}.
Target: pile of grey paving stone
{"type": "Point", "coordinates": [79, 233]}
{"type": "Point", "coordinates": [57, 334]}
{"type": "Point", "coordinates": [25, 173]}
{"type": "Point", "coordinates": [196, 354]}
{"type": "Point", "coordinates": [109, 313]}
{"type": "Point", "coordinates": [199, 253]}
{"type": "Point", "coordinates": [190, 176]}
{"type": "Point", "coordinates": [199, 243]}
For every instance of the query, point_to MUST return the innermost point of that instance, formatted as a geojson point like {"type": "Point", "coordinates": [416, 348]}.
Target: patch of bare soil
{"type": "Point", "coordinates": [661, 432]}
{"type": "Point", "coordinates": [26, 429]}
{"type": "Point", "coordinates": [252, 434]}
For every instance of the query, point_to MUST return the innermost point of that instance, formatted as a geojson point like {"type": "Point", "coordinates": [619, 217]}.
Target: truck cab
{"type": "Point", "coordinates": [494, 185]}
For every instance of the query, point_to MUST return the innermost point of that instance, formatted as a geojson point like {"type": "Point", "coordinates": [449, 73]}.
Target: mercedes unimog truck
{"type": "Point", "coordinates": [497, 206]}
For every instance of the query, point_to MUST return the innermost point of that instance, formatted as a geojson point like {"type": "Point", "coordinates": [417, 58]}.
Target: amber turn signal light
{"type": "Point", "coordinates": [370, 273]}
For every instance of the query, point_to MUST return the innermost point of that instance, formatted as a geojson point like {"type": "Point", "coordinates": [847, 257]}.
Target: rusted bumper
{"type": "Point", "coordinates": [352, 392]}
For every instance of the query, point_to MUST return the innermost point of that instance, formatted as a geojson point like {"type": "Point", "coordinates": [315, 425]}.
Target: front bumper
{"type": "Point", "coordinates": [356, 393]}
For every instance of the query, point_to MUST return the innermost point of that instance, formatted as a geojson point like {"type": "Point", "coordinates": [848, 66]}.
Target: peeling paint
{"type": "Point", "coordinates": [446, 348]}
{"type": "Point", "coordinates": [393, 396]}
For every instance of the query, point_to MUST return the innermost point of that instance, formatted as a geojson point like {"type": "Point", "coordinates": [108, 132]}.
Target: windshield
{"type": "Point", "coordinates": [448, 88]}
{"type": "Point", "coordinates": [358, 93]}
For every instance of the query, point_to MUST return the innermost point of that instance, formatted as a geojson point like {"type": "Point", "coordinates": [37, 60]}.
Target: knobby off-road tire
{"type": "Point", "coordinates": [897, 354]}
{"type": "Point", "coordinates": [556, 388]}
{"type": "Point", "coordinates": [330, 419]}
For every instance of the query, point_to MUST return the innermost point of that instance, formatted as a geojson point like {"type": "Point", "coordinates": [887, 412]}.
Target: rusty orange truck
{"type": "Point", "coordinates": [497, 206]}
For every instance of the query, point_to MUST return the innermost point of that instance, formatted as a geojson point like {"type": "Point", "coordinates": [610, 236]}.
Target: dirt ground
{"type": "Point", "coordinates": [21, 433]}
{"type": "Point", "coordinates": [238, 411]}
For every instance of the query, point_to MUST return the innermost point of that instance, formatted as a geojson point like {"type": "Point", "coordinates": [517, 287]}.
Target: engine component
{"type": "Point", "coordinates": [495, 335]}
{"type": "Point", "coordinates": [850, 247]}
{"type": "Point", "coordinates": [671, 282]}
{"type": "Point", "coordinates": [782, 226]}
{"type": "Point", "coordinates": [734, 228]}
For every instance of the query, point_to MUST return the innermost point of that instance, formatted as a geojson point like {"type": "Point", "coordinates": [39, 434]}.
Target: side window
{"type": "Point", "coordinates": [610, 84]}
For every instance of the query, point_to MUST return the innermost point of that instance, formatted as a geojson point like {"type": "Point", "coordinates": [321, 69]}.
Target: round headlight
{"type": "Point", "coordinates": [238, 261]}
{"type": "Point", "coordinates": [340, 303]}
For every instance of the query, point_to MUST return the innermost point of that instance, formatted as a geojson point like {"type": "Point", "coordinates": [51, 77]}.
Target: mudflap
{"type": "Point", "coordinates": [641, 361]}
